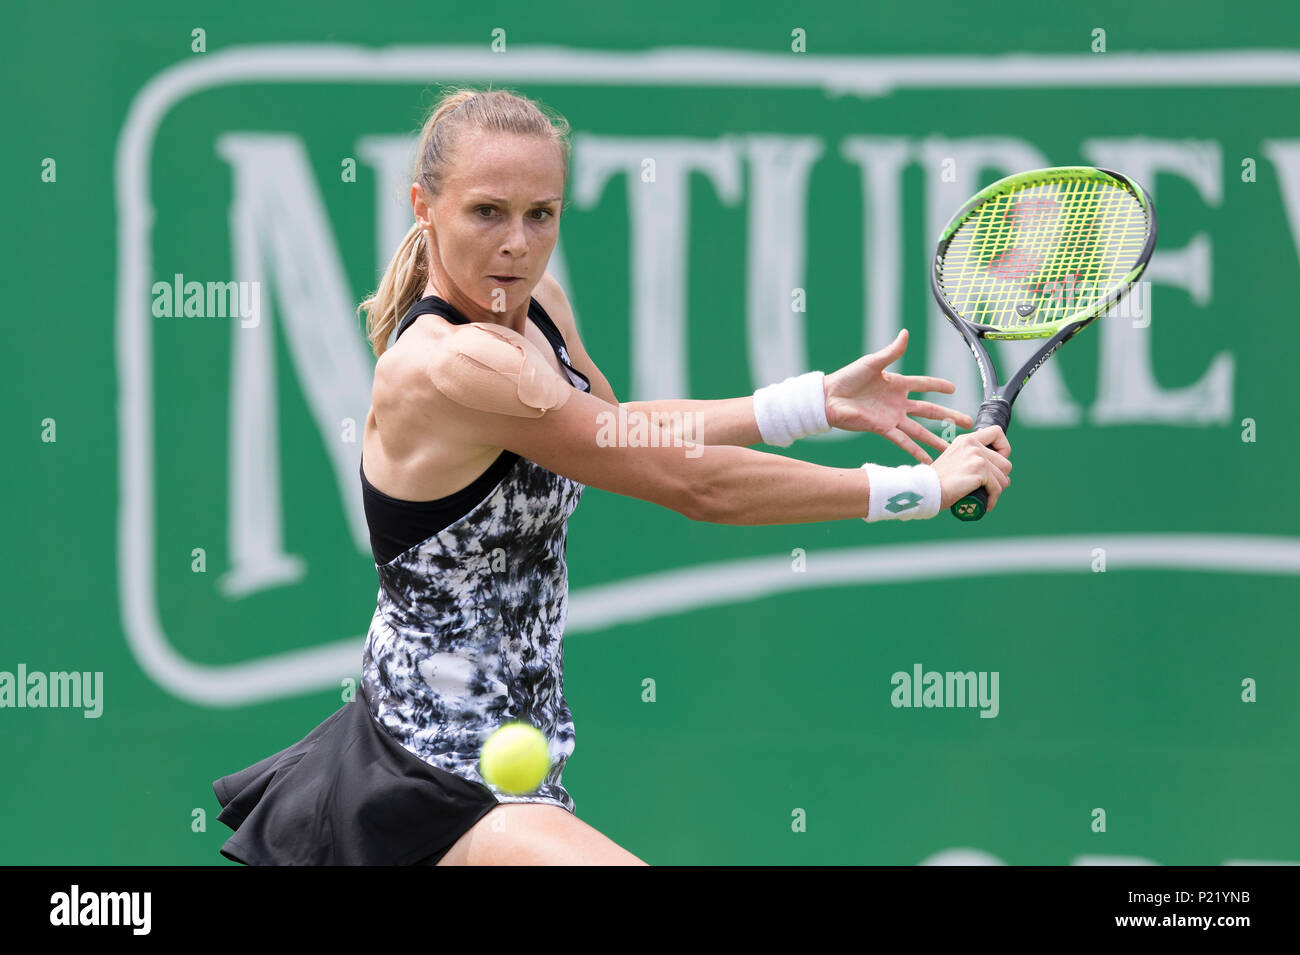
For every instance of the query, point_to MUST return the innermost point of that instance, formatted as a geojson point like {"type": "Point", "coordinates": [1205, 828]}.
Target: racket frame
{"type": "Point", "coordinates": [995, 409]}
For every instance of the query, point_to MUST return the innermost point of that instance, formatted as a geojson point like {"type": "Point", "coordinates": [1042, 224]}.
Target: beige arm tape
{"type": "Point", "coordinates": [490, 368]}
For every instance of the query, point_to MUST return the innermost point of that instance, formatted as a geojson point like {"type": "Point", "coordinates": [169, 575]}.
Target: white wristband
{"type": "Point", "coordinates": [795, 408]}
{"type": "Point", "coordinates": [903, 493]}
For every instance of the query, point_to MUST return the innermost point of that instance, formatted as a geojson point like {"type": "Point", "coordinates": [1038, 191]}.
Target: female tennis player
{"type": "Point", "coordinates": [488, 418]}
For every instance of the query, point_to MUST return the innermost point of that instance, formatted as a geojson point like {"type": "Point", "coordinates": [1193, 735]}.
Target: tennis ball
{"type": "Point", "coordinates": [515, 758]}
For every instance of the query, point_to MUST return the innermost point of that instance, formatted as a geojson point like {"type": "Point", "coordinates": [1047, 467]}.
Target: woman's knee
{"type": "Point", "coordinates": [535, 834]}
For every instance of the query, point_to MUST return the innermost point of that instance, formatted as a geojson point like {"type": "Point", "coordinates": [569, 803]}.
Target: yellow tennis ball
{"type": "Point", "coordinates": [515, 758]}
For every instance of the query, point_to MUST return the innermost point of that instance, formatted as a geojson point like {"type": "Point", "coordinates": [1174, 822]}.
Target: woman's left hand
{"type": "Point", "coordinates": [864, 397]}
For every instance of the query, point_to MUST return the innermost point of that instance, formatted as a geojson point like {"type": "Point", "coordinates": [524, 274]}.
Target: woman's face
{"type": "Point", "coordinates": [498, 216]}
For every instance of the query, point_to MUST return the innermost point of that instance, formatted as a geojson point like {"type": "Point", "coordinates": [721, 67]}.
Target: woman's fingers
{"type": "Point", "coordinates": [992, 486]}
{"type": "Point", "coordinates": [996, 438]}
{"type": "Point", "coordinates": [908, 445]}
{"type": "Point", "coordinates": [928, 383]}
{"type": "Point", "coordinates": [997, 460]}
{"type": "Point", "coordinates": [928, 409]}
{"type": "Point", "coordinates": [970, 457]}
{"type": "Point", "coordinates": [921, 433]}
{"type": "Point", "coordinates": [995, 479]}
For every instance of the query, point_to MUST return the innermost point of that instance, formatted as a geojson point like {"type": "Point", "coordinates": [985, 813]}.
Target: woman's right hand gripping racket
{"type": "Point", "coordinates": [1038, 254]}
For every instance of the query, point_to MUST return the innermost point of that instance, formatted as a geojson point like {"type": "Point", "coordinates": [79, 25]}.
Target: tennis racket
{"type": "Point", "coordinates": [1038, 254]}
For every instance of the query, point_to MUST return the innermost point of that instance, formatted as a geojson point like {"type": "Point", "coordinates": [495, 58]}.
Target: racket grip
{"type": "Point", "coordinates": [973, 505]}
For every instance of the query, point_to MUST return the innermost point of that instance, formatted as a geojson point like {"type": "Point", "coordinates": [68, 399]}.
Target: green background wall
{"type": "Point", "coordinates": [1119, 690]}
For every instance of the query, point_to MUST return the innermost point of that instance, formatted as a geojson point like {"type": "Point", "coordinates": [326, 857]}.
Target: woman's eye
{"type": "Point", "coordinates": [544, 212]}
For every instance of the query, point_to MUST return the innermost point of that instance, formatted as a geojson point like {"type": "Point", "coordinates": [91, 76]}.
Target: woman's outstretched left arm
{"type": "Point", "coordinates": [861, 396]}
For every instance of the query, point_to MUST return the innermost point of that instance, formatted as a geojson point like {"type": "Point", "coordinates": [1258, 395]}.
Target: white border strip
{"type": "Point", "coordinates": [692, 588]}
{"type": "Point", "coordinates": [654, 595]}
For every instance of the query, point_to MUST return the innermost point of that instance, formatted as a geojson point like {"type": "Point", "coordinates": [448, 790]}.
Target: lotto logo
{"type": "Point", "coordinates": [903, 501]}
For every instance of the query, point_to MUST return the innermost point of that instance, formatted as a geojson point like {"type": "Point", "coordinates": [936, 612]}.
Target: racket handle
{"type": "Point", "coordinates": [973, 505]}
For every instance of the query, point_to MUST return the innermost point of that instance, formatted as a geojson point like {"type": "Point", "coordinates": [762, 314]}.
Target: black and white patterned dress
{"type": "Point", "coordinates": [467, 635]}
{"type": "Point", "coordinates": [468, 630]}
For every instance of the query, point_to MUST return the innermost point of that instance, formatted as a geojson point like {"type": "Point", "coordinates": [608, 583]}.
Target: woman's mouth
{"type": "Point", "coordinates": [506, 279]}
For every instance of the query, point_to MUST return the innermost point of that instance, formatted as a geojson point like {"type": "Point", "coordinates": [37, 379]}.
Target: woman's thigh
{"type": "Point", "coordinates": [535, 834]}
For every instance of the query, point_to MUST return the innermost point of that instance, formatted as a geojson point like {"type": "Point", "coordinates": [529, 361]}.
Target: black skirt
{"type": "Point", "coordinates": [346, 794]}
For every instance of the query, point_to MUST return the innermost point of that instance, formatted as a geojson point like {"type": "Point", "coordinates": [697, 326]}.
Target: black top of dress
{"type": "Point", "coordinates": [397, 525]}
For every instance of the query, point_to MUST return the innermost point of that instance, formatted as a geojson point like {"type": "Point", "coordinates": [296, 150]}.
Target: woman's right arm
{"type": "Point", "coordinates": [719, 484]}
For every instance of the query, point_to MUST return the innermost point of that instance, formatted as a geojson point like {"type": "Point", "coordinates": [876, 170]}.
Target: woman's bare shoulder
{"type": "Point", "coordinates": [416, 446]}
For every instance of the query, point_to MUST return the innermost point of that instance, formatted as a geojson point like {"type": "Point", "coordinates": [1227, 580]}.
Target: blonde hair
{"type": "Point", "coordinates": [458, 111]}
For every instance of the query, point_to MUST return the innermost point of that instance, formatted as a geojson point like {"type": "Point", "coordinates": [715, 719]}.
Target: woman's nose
{"type": "Point", "coordinates": [516, 239]}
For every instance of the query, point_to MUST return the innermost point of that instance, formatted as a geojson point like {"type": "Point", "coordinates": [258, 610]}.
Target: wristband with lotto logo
{"type": "Point", "coordinates": [794, 408]}
{"type": "Point", "coordinates": [904, 493]}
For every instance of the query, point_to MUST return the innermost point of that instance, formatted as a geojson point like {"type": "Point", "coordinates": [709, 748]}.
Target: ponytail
{"type": "Point", "coordinates": [403, 281]}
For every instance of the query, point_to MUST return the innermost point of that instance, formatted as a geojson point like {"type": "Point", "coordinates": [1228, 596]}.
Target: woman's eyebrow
{"type": "Point", "coordinates": [479, 197]}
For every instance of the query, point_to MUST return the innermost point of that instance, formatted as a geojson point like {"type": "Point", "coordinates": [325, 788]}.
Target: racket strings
{"type": "Point", "coordinates": [1029, 258]}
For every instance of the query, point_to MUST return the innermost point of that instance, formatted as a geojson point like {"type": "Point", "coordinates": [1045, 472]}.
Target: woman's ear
{"type": "Point", "coordinates": [420, 206]}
